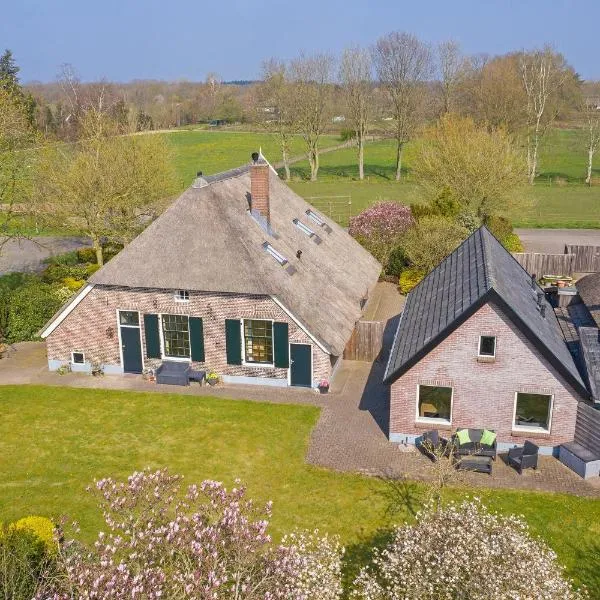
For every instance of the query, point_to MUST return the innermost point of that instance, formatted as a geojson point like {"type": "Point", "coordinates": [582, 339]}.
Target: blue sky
{"type": "Point", "coordinates": [158, 39]}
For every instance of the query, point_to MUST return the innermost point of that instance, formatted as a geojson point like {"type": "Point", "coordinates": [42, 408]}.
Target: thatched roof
{"type": "Point", "coordinates": [207, 240]}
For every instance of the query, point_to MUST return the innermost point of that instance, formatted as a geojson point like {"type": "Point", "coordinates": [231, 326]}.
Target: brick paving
{"type": "Point", "coordinates": [349, 436]}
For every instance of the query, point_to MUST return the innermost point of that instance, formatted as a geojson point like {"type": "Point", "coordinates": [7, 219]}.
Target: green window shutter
{"type": "Point", "coordinates": [281, 348]}
{"type": "Point", "coordinates": [197, 339]}
{"type": "Point", "coordinates": [233, 341]}
{"type": "Point", "coordinates": [152, 336]}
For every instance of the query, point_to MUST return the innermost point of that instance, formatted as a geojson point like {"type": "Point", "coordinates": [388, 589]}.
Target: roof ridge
{"type": "Point", "coordinates": [488, 264]}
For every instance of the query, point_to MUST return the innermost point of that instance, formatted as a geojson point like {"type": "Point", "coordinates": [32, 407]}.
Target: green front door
{"type": "Point", "coordinates": [301, 365]}
{"type": "Point", "coordinates": [132, 349]}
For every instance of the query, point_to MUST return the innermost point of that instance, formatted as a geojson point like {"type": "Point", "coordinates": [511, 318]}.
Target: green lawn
{"type": "Point", "coordinates": [54, 441]}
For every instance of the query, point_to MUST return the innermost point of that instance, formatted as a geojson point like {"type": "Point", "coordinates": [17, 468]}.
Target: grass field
{"type": "Point", "coordinates": [55, 441]}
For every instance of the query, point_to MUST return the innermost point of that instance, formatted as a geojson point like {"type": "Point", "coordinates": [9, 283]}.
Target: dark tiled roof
{"type": "Point", "coordinates": [590, 346]}
{"type": "Point", "coordinates": [589, 290]}
{"type": "Point", "coordinates": [480, 270]}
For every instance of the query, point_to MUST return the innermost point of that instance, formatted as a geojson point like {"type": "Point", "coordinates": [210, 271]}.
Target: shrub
{"type": "Point", "coordinates": [464, 551]}
{"type": "Point", "coordinates": [86, 255]}
{"type": "Point", "coordinates": [67, 258]}
{"type": "Point", "coordinates": [409, 278]}
{"type": "Point", "coordinates": [57, 273]}
{"type": "Point", "coordinates": [431, 240]}
{"type": "Point", "coordinates": [512, 242]}
{"type": "Point", "coordinates": [347, 134]}
{"type": "Point", "coordinates": [380, 227]}
{"type": "Point", "coordinates": [501, 227]}
{"type": "Point", "coordinates": [397, 262]}
{"type": "Point", "coordinates": [72, 284]}
{"type": "Point", "coordinates": [41, 527]}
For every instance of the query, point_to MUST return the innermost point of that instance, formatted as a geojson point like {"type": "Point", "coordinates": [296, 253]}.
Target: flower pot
{"type": "Point", "coordinates": [211, 381]}
{"type": "Point", "coordinates": [323, 389]}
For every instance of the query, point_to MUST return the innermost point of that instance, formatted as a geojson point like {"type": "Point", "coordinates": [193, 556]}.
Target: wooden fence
{"type": "Point", "coordinates": [587, 258]}
{"type": "Point", "coordinates": [587, 427]}
{"type": "Point", "coordinates": [546, 264]}
{"type": "Point", "coordinates": [366, 341]}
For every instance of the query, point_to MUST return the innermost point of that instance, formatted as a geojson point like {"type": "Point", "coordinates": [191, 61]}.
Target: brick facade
{"type": "Point", "coordinates": [92, 328]}
{"type": "Point", "coordinates": [484, 392]}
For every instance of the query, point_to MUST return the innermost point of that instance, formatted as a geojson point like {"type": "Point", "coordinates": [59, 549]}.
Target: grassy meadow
{"type": "Point", "coordinates": [54, 441]}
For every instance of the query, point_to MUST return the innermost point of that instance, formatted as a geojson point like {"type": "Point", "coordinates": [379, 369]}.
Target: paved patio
{"type": "Point", "coordinates": [350, 434]}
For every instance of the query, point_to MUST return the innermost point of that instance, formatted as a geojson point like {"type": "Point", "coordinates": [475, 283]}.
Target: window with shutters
{"type": "Point", "coordinates": [176, 336]}
{"type": "Point", "coordinates": [258, 341]}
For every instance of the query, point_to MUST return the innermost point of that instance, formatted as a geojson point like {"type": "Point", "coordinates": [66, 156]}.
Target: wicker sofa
{"type": "Point", "coordinates": [474, 447]}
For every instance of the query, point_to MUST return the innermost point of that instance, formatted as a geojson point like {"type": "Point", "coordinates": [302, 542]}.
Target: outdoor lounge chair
{"type": "Point", "coordinates": [173, 373]}
{"type": "Point", "coordinates": [433, 445]}
{"type": "Point", "coordinates": [474, 447]}
{"type": "Point", "coordinates": [524, 458]}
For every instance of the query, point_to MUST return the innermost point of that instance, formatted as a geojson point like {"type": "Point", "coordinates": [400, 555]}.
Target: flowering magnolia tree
{"type": "Point", "coordinates": [207, 543]}
{"type": "Point", "coordinates": [464, 552]}
{"type": "Point", "coordinates": [379, 228]}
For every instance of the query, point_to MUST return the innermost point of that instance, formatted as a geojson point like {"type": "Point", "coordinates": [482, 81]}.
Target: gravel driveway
{"type": "Point", "coordinates": [29, 255]}
{"type": "Point", "coordinates": [552, 241]}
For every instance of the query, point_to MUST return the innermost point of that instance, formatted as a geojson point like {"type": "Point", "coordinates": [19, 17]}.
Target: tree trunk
{"type": "Point", "coordinates": [399, 161]}
{"type": "Point", "coordinates": [285, 157]}
{"type": "Point", "coordinates": [313, 159]}
{"type": "Point", "coordinates": [99, 252]}
{"type": "Point", "coordinates": [361, 158]}
{"type": "Point", "coordinates": [534, 159]}
{"type": "Point", "coordinates": [588, 179]}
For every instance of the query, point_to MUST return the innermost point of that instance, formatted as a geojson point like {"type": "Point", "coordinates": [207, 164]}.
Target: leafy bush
{"type": "Point", "coordinates": [397, 262]}
{"type": "Point", "coordinates": [512, 242]}
{"type": "Point", "coordinates": [67, 258]}
{"type": "Point", "coordinates": [347, 134]}
{"type": "Point", "coordinates": [380, 227]}
{"type": "Point", "coordinates": [501, 227]}
{"type": "Point", "coordinates": [41, 527]}
{"type": "Point", "coordinates": [464, 551]}
{"type": "Point", "coordinates": [58, 272]}
{"type": "Point", "coordinates": [409, 278]}
{"type": "Point", "coordinates": [431, 240]}
{"type": "Point", "coordinates": [72, 284]}
{"type": "Point", "coordinates": [86, 255]}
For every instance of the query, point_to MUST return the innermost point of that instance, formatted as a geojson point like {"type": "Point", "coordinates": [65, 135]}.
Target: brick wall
{"type": "Point", "coordinates": [484, 393]}
{"type": "Point", "coordinates": [92, 327]}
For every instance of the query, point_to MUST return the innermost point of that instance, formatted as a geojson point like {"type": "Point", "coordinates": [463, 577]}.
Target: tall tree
{"type": "Point", "coordinates": [357, 84]}
{"type": "Point", "coordinates": [107, 184]}
{"type": "Point", "coordinates": [591, 115]}
{"type": "Point", "coordinates": [311, 79]}
{"type": "Point", "coordinates": [544, 75]}
{"type": "Point", "coordinates": [452, 67]}
{"type": "Point", "coordinates": [9, 81]}
{"type": "Point", "coordinates": [276, 103]}
{"type": "Point", "coordinates": [403, 65]}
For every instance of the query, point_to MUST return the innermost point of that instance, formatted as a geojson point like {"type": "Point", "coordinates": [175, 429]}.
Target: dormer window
{"type": "Point", "coordinates": [313, 216]}
{"type": "Point", "coordinates": [282, 260]}
{"type": "Point", "coordinates": [182, 296]}
{"type": "Point", "coordinates": [304, 228]}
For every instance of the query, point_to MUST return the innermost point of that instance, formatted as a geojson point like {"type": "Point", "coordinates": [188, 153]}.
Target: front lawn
{"type": "Point", "coordinates": [55, 441]}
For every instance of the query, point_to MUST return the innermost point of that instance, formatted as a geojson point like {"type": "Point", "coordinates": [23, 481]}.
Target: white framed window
{"type": "Point", "coordinates": [77, 358]}
{"type": "Point", "coordinates": [315, 218]}
{"type": "Point", "coordinates": [176, 336]}
{"type": "Point", "coordinates": [487, 346]}
{"type": "Point", "coordinates": [182, 296]}
{"type": "Point", "coordinates": [434, 403]}
{"type": "Point", "coordinates": [303, 228]}
{"type": "Point", "coordinates": [282, 260]}
{"type": "Point", "coordinates": [257, 341]}
{"type": "Point", "coordinates": [533, 412]}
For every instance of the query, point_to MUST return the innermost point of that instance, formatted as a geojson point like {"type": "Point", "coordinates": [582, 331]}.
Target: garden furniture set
{"type": "Point", "coordinates": [173, 372]}
{"type": "Point", "coordinates": [476, 449]}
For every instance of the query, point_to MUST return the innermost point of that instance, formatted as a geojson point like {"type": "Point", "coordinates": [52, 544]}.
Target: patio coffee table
{"type": "Point", "coordinates": [479, 464]}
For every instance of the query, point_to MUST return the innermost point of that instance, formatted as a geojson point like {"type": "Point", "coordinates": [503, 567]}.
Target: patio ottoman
{"type": "Point", "coordinates": [479, 464]}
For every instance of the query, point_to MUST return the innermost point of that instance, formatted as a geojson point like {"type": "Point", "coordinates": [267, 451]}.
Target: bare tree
{"type": "Point", "coordinates": [543, 73]}
{"type": "Point", "coordinates": [311, 77]}
{"type": "Point", "coordinates": [276, 106]}
{"type": "Point", "coordinates": [403, 65]}
{"type": "Point", "coordinates": [592, 123]}
{"type": "Point", "coordinates": [452, 66]}
{"type": "Point", "coordinates": [355, 76]}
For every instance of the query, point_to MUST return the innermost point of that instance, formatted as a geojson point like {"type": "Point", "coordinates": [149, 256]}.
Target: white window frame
{"type": "Point", "coordinates": [489, 356]}
{"type": "Point", "coordinates": [162, 339]}
{"type": "Point", "coordinates": [246, 363]}
{"type": "Point", "coordinates": [526, 428]}
{"type": "Point", "coordinates": [73, 359]}
{"type": "Point", "coordinates": [434, 420]}
{"type": "Point", "coordinates": [181, 296]}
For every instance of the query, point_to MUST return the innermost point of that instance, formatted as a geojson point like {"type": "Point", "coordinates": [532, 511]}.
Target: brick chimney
{"type": "Point", "coordinates": [259, 186]}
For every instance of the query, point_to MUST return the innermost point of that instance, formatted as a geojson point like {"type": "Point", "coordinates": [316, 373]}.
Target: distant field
{"type": "Point", "coordinates": [559, 199]}
{"type": "Point", "coordinates": [216, 151]}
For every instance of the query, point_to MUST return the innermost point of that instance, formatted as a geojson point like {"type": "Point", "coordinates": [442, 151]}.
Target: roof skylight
{"type": "Point", "coordinates": [313, 216]}
{"type": "Point", "coordinates": [282, 260]}
{"type": "Point", "coordinates": [304, 228]}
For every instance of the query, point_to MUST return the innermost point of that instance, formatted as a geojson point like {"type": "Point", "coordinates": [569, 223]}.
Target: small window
{"type": "Point", "coordinates": [282, 260]}
{"type": "Point", "coordinates": [78, 358]}
{"type": "Point", "coordinates": [435, 402]}
{"type": "Point", "coordinates": [533, 411]}
{"type": "Point", "coordinates": [176, 336]}
{"type": "Point", "coordinates": [304, 228]}
{"type": "Point", "coordinates": [182, 296]}
{"type": "Point", "coordinates": [313, 216]}
{"type": "Point", "coordinates": [129, 317]}
{"type": "Point", "coordinates": [487, 346]}
{"type": "Point", "coordinates": [258, 341]}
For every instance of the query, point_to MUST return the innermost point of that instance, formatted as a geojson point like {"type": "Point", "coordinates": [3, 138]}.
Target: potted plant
{"type": "Point", "coordinates": [148, 374]}
{"type": "Point", "coordinates": [97, 369]}
{"type": "Point", "coordinates": [323, 386]}
{"type": "Point", "coordinates": [212, 378]}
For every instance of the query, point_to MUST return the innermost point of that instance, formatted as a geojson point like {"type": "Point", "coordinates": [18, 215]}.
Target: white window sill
{"type": "Point", "coordinates": [258, 364]}
{"type": "Point", "coordinates": [485, 358]}
{"type": "Point", "coordinates": [181, 301]}
{"type": "Point", "coordinates": [176, 358]}
{"type": "Point", "coordinates": [533, 430]}
{"type": "Point", "coordinates": [433, 420]}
